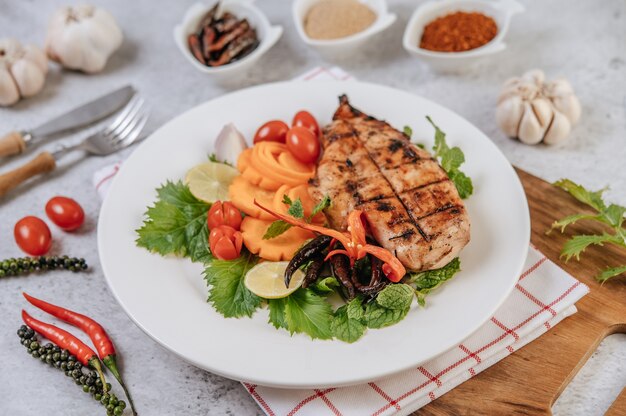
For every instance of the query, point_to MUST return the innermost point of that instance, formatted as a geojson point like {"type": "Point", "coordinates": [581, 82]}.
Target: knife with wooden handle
{"type": "Point", "coordinates": [16, 142]}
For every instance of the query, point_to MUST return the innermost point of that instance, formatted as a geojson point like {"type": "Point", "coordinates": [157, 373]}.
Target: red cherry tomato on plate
{"type": "Point", "coordinates": [33, 236]}
{"type": "Point", "coordinates": [272, 131]}
{"type": "Point", "coordinates": [66, 213]}
{"type": "Point", "coordinates": [225, 242]}
{"type": "Point", "coordinates": [303, 144]}
{"type": "Point", "coordinates": [306, 119]}
{"type": "Point", "coordinates": [223, 213]}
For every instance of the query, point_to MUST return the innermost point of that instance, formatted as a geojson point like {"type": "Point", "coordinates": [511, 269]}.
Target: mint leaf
{"type": "Point", "coordinates": [320, 206]}
{"type": "Point", "coordinates": [325, 286]}
{"type": "Point", "coordinates": [287, 200]}
{"type": "Point", "coordinates": [227, 292]}
{"type": "Point", "coordinates": [278, 227]}
{"type": "Point", "coordinates": [579, 243]}
{"type": "Point", "coordinates": [296, 209]}
{"type": "Point", "coordinates": [451, 160]}
{"type": "Point", "coordinates": [275, 229]}
{"type": "Point", "coordinates": [344, 327]}
{"type": "Point", "coordinates": [463, 184]}
{"type": "Point", "coordinates": [176, 224]}
{"type": "Point", "coordinates": [277, 313]}
{"type": "Point", "coordinates": [426, 282]}
{"type": "Point", "coordinates": [377, 316]}
{"type": "Point", "coordinates": [611, 272]}
{"type": "Point", "coordinates": [593, 199]}
{"type": "Point", "coordinates": [408, 131]}
{"type": "Point", "coordinates": [396, 296]}
{"type": "Point", "coordinates": [308, 313]}
{"type": "Point", "coordinates": [355, 308]}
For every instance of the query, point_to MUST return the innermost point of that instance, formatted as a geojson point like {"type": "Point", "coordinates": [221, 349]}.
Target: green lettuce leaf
{"type": "Point", "coordinates": [176, 224]}
{"type": "Point", "coordinates": [227, 292]}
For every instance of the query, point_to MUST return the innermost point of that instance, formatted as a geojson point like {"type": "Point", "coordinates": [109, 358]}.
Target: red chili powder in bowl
{"type": "Point", "coordinates": [457, 32]}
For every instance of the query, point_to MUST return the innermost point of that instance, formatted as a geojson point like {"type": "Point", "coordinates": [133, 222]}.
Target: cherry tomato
{"type": "Point", "coordinates": [303, 144]}
{"type": "Point", "coordinates": [33, 236]}
{"type": "Point", "coordinates": [225, 242]}
{"type": "Point", "coordinates": [223, 213]}
{"type": "Point", "coordinates": [66, 213]}
{"type": "Point", "coordinates": [306, 119]}
{"type": "Point", "coordinates": [272, 131]}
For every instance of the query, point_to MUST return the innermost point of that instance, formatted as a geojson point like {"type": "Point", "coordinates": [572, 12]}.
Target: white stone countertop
{"type": "Point", "coordinates": [583, 41]}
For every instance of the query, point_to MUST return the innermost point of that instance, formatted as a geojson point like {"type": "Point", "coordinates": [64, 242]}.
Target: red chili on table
{"type": "Point", "coordinates": [95, 331]}
{"type": "Point", "coordinates": [65, 340]}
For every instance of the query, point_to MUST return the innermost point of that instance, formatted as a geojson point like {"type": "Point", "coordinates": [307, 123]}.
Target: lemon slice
{"type": "Point", "coordinates": [267, 280]}
{"type": "Point", "coordinates": [209, 181]}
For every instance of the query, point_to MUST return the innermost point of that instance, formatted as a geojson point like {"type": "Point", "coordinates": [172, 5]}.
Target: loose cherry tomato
{"type": "Point", "coordinates": [66, 213]}
{"type": "Point", "coordinates": [223, 213]}
{"type": "Point", "coordinates": [272, 131]}
{"type": "Point", "coordinates": [306, 119]}
{"type": "Point", "coordinates": [303, 144]}
{"type": "Point", "coordinates": [225, 242]}
{"type": "Point", "coordinates": [33, 236]}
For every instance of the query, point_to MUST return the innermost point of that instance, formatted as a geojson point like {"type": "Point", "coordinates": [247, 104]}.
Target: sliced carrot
{"type": "Point", "coordinates": [242, 194]}
{"type": "Point", "coordinates": [280, 248]}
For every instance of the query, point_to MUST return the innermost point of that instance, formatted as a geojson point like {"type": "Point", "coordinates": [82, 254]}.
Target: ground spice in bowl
{"type": "Point", "coordinates": [334, 19]}
{"type": "Point", "coordinates": [457, 32]}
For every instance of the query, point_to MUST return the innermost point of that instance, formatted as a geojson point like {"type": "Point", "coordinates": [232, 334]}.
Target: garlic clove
{"type": "Point", "coordinates": [530, 129]}
{"type": "Point", "coordinates": [508, 115]}
{"type": "Point", "coordinates": [36, 56]}
{"type": "Point", "coordinates": [542, 107]}
{"type": "Point", "coordinates": [534, 76]}
{"type": "Point", "coordinates": [28, 77]}
{"type": "Point", "coordinates": [559, 129]}
{"type": "Point", "coordinates": [569, 106]}
{"type": "Point", "coordinates": [9, 94]}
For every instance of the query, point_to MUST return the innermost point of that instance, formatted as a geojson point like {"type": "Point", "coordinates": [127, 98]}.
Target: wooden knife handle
{"type": "Point", "coordinates": [42, 163]}
{"type": "Point", "coordinates": [12, 144]}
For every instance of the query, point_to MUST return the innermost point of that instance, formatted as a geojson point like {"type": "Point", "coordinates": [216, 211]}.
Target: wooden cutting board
{"type": "Point", "coordinates": [530, 380]}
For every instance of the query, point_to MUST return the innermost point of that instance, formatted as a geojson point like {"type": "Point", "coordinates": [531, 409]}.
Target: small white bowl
{"type": "Point", "coordinates": [500, 10]}
{"type": "Point", "coordinates": [267, 34]}
{"type": "Point", "coordinates": [334, 48]}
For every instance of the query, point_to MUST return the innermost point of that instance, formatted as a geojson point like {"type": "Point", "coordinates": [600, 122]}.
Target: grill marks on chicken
{"type": "Point", "coordinates": [412, 207]}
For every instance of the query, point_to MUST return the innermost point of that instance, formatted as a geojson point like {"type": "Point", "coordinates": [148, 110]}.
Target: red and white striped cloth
{"type": "Point", "coordinates": [544, 296]}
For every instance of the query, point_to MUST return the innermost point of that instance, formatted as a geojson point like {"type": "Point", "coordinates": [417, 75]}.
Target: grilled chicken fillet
{"type": "Point", "coordinates": [413, 209]}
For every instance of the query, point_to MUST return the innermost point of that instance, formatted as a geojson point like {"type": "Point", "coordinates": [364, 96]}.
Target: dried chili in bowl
{"type": "Point", "coordinates": [458, 32]}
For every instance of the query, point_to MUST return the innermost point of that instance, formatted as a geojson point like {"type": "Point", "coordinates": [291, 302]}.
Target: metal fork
{"type": "Point", "coordinates": [121, 133]}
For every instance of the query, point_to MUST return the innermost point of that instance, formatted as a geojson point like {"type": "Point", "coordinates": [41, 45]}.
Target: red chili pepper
{"type": "Point", "coordinates": [93, 329]}
{"type": "Point", "coordinates": [65, 340]}
{"type": "Point", "coordinates": [354, 243]}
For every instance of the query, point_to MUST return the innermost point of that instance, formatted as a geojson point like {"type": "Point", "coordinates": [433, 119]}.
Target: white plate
{"type": "Point", "coordinates": [166, 297]}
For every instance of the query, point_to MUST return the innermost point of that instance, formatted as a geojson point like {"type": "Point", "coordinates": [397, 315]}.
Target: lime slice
{"type": "Point", "coordinates": [267, 280]}
{"type": "Point", "coordinates": [209, 181]}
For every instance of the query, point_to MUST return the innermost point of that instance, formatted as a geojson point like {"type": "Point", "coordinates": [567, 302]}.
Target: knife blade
{"type": "Point", "coordinates": [16, 142]}
{"type": "Point", "coordinates": [85, 114]}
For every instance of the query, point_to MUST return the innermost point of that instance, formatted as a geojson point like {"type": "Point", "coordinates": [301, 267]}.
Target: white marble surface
{"type": "Point", "coordinates": [581, 40]}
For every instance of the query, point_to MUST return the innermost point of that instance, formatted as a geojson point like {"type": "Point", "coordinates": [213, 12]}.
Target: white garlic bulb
{"type": "Point", "coordinates": [23, 70]}
{"type": "Point", "coordinates": [536, 111]}
{"type": "Point", "coordinates": [82, 37]}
